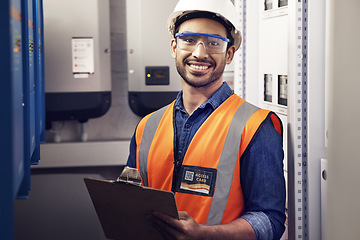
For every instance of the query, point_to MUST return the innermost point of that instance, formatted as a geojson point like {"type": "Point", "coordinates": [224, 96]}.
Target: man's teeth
{"type": "Point", "coordinates": [199, 67]}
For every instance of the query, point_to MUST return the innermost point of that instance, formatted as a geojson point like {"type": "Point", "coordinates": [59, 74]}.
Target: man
{"type": "Point", "coordinates": [221, 156]}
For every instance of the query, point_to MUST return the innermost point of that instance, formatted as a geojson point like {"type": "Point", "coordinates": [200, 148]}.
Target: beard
{"type": "Point", "coordinates": [200, 80]}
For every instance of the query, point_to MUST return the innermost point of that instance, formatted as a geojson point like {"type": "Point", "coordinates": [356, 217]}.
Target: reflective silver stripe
{"type": "Point", "coordinates": [149, 132]}
{"type": "Point", "coordinates": [227, 162]}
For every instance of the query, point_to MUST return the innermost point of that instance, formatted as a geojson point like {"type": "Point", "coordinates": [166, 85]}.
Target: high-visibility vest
{"type": "Point", "coordinates": [207, 184]}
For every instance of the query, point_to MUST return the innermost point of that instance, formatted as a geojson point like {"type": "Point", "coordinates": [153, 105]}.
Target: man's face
{"type": "Point", "coordinates": [198, 68]}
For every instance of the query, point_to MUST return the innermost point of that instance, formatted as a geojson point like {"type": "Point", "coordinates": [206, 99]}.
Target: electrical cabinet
{"type": "Point", "coordinates": [291, 83]}
{"type": "Point", "coordinates": [21, 105]}
{"type": "Point", "coordinates": [152, 76]}
{"type": "Point", "coordinates": [77, 69]}
{"type": "Point", "coordinates": [273, 64]}
{"type": "Point", "coordinates": [273, 43]}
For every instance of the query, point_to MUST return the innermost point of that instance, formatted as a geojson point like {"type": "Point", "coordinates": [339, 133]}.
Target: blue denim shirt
{"type": "Point", "coordinates": [261, 165]}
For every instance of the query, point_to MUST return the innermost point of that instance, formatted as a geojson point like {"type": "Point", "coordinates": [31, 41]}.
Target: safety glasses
{"type": "Point", "coordinates": [188, 41]}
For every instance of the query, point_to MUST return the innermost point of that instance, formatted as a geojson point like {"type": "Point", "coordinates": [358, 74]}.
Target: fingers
{"type": "Point", "coordinates": [164, 229]}
{"type": "Point", "coordinates": [165, 224]}
{"type": "Point", "coordinates": [183, 228]}
{"type": "Point", "coordinates": [165, 218]}
{"type": "Point", "coordinates": [184, 215]}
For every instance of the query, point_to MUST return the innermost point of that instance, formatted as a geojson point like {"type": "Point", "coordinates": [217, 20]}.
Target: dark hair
{"type": "Point", "coordinates": [209, 15]}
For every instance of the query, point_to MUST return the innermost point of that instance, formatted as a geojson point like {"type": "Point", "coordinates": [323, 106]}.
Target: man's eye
{"type": "Point", "coordinates": [214, 44]}
{"type": "Point", "coordinates": [189, 40]}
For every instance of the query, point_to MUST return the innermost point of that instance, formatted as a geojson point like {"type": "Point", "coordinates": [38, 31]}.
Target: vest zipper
{"type": "Point", "coordinates": [177, 162]}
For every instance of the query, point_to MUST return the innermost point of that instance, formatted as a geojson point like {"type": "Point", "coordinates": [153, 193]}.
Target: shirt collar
{"type": "Point", "coordinates": [214, 101]}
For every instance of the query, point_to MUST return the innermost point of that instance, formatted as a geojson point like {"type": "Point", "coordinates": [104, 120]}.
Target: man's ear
{"type": "Point", "coordinates": [173, 48]}
{"type": "Point", "coordinates": [230, 54]}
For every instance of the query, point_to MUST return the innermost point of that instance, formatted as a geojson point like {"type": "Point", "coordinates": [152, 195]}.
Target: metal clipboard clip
{"type": "Point", "coordinates": [130, 175]}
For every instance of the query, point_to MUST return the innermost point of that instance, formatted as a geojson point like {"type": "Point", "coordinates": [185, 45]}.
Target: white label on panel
{"type": "Point", "coordinates": [82, 56]}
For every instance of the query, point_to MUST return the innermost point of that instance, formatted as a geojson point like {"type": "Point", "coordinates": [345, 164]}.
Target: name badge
{"type": "Point", "coordinates": [197, 180]}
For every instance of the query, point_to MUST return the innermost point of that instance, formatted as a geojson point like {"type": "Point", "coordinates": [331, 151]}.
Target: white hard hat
{"type": "Point", "coordinates": [224, 9]}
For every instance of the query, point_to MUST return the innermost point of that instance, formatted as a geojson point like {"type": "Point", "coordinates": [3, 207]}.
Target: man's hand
{"type": "Point", "coordinates": [184, 228]}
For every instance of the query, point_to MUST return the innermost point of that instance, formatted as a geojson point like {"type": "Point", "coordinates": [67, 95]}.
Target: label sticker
{"type": "Point", "coordinates": [197, 180]}
{"type": "Point", "coordinates": [82, 55]}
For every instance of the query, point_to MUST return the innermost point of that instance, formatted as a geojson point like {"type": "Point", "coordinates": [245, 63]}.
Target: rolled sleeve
{"type": "Point", "coordinates": [261, 225]}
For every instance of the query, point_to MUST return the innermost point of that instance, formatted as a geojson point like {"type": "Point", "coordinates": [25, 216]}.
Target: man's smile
{"type": "Point", "coordinates": [199, 67]}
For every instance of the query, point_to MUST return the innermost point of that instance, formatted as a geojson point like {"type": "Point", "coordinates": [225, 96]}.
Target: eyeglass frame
{"type": "Point", "coordinates": [203, 35]}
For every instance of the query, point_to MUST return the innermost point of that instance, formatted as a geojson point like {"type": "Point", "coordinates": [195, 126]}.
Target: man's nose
{"type": "Point", "coordinates": [200, 50]}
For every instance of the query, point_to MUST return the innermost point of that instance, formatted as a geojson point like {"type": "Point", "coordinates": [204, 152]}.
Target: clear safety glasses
{"type": "Point", "coordinates": [188, 41]}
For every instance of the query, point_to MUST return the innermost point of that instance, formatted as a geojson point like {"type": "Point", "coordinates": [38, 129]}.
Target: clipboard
{"type": "Point", "coordinates": [123, 207]}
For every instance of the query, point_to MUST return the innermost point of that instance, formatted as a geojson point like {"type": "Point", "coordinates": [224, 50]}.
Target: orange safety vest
{"type": "Point", "coordinates": [208, 183]}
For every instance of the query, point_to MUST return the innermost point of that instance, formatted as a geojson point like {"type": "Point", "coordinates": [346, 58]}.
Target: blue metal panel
{"type": "Point", "coordinates": [29, 95]}
{"type": "Point", "coordinates": [11, 117]}
{"type": "Point", "coordinates": [38, 77]}
{"type": "Point", "coordinates": [17, 95]}
{"type": "Point", "coordinates": [21, 67]}
{"type": "Point", "coordinates": [42, 71]}
{"type": "Point", "coordinates": [30, 27]}
{"type": "Point", "coordinates": [34, 144]}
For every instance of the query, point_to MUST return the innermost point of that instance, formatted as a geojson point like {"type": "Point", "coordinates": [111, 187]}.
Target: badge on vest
{"type": "Point", "coordinates": [197, 180]}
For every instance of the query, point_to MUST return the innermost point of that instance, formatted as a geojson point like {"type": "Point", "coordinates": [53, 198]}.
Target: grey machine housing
{"type": "Point", "coordinates": [152, 75]}
{"type": "Point", "coordinates": [77, 59]}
